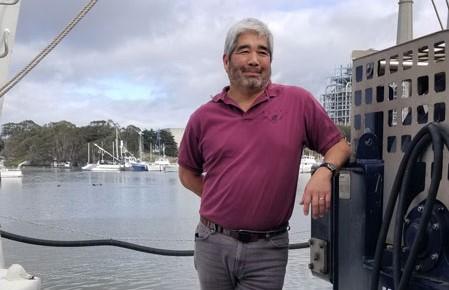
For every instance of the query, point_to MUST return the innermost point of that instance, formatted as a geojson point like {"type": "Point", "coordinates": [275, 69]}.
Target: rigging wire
{"type": "Point", "coordinates": [40, 56]}
{"type": "Point", "coordinates": [436, 12]}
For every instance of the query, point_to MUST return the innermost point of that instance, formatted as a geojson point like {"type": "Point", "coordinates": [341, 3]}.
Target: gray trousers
{"type": "Point", "coordinates": [224, 263]}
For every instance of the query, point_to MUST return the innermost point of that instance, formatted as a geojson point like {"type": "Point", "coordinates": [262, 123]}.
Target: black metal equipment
{"type": "Point", "coordinates": [349, 231]}
{"type": "Point", "coordinates": [389, 224]}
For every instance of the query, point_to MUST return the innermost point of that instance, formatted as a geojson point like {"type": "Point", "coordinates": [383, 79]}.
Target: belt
{"type": "Point", "coordinates": [244, 236]}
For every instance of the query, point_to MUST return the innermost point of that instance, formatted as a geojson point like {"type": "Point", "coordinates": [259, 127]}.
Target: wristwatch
{"type": "Point", "coordinates": [331, 166]}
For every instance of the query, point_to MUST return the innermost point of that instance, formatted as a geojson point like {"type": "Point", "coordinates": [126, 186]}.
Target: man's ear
{"type": "Point", "coordinates": [226, 62]}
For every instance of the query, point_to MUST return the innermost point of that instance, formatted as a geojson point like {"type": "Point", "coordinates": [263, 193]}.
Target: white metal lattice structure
{"type": "Point", "coordinates": [337, 97]}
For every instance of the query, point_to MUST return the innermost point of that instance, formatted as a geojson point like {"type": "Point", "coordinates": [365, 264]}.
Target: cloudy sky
{"type": "Point", "coordinates": [152, 62]}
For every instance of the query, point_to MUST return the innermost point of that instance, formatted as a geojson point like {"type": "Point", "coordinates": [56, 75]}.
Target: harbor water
{"type": "Point", "coordinates": [147, 208]}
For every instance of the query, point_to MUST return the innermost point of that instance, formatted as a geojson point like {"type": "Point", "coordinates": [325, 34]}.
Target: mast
{"type": "Point", "coordinates": [116, 142]}
{"type": "Point", "coordinates": [140, 145]}
{"type": "Point", "coordinates": [88, 152]}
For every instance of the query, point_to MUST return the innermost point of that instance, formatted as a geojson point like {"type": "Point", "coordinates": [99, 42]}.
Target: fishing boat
{"type": "Point", "coordinates": [114, 165]}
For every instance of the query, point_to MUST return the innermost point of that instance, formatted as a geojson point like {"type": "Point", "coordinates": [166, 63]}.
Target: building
{"type": "Point", "coordinates": [337, 96]}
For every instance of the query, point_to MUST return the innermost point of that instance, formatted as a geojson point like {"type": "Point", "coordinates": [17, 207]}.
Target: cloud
{"type": "Point", "coordinates": [152, 63]}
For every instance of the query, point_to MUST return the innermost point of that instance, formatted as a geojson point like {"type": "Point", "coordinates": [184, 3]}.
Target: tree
{"type": "Point", "coordinates": [63, 141]}
{"type": "Point", "coordinates": [171, 149]}
{"type": "Point", "coordinates": [13, 129]}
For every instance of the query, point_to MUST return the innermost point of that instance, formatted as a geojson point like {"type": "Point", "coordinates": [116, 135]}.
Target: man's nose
{"type": "Point", "coordinates": [253, 59]}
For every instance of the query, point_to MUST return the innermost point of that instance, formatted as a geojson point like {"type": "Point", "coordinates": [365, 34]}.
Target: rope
{"type": "Point", "coordinates": [114, 243]}
{"type": "Point", "coordinates": [19, 76]}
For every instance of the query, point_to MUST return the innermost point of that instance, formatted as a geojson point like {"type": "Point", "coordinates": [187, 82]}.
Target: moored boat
{"type": "Point", "coordinates": [159, 164]}
{"type": "Point", "coordinates": [11, 173]}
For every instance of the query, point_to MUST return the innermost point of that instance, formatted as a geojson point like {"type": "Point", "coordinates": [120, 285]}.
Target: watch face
{"type": "Point", "coordinates": [329, 166]}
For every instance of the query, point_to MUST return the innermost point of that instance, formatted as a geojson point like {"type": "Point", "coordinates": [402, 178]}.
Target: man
{"type": "Point", "coordinates": [240, 154]}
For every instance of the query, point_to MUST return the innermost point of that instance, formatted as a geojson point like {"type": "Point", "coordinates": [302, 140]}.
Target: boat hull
{"type": "Point", "coordinates": [11, 173]}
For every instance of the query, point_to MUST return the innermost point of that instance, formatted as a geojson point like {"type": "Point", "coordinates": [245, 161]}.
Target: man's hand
{"type": "Point", "coordinates": [317, 193]}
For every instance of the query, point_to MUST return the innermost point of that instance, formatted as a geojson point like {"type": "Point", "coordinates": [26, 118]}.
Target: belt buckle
{"type": "Point", "coordinates": [244, 236]}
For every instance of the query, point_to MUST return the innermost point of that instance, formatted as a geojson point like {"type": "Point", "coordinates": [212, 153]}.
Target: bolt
{"type": "Point", "coordinates": [405, 249]}
{"type": "Point", "coordinates": [434, 256]}
{"type": "Point", "coordinates": [316, 257]}
{"type": "Point", "coordinates": [406, 222]}
{"type": "Point", "coordinates": [418, 267]}
{"type": "Point", "coordinates": [321, 245]}
{"type": "Point", "coordinates": [440, 209]}
{"type": "Point", "coordinates": [435, 227]}
{"type": "Point", "coordinates": [311, 242]}
{"type": "Point", "coordinates": [420, 208]}
{"type": "Point", "coordinates": [310, 266]}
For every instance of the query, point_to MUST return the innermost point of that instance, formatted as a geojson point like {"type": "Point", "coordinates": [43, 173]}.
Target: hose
{"type": "Point", "coordinates": [114, 243]}
{"type": "Point", "coordinates": [420, 142]}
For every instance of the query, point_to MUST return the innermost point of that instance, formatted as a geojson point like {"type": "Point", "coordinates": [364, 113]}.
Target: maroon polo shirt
{"type": "Point", "coordinates": [250, 160]}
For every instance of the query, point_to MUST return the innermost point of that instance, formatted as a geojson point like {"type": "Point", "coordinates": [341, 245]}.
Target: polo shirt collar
{"type": "Point", "coordinates": [268, 93]}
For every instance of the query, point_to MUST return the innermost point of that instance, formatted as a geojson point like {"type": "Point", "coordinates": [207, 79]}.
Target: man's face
{"type": "Point", "coordinates": [249, 65]}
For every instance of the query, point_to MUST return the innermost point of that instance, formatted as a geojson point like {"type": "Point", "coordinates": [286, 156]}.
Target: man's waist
{"type": "Point", "coordinates": [245, 235]}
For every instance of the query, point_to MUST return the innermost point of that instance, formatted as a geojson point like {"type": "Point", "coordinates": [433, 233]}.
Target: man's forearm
{"type": "Point", "coordinates": [195, 184]}
{"type": "Point", "coordinates": [338, 154]}
{"type": "Point", "coordinates": [191, 180]}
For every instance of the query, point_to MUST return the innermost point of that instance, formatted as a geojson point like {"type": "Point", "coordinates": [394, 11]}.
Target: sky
{"type": "Point", "coordinates": [151, 63]}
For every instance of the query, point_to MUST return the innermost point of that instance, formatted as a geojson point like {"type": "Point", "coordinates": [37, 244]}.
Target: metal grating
{"type": "Point", "coordinates": [396, 92]}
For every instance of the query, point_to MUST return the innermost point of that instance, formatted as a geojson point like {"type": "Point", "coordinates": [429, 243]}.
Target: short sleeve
{"type": "Point", "coordinates": [190, 155]}
{"type": "Point", "coordinates": [321, 132]}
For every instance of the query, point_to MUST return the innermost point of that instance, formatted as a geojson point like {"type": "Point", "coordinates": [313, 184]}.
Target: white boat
{"type": "Point", "coordinates": [11, 173]}
{"type": "Point", "coordinates": [172, 167]}
{"type": "Point", "coordinates": [307, 162]}
{"type": "Point", "coordinates": [159, 164]}
{"type": "Point", "coordinates": [106, 167]}
{"type": "Point", "coordinates": [102, 165]}
{"type": "Point", "coordinates": [89, 166]}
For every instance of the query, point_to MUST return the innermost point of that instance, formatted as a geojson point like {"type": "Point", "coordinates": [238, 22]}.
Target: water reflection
{"type": "Point", "coordinates": [10, 184]}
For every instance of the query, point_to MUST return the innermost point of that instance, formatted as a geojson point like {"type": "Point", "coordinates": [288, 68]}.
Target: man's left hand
{"type": "Point", "coordinates": [317, 193]}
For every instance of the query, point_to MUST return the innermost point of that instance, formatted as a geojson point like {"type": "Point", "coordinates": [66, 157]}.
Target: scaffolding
{"type": "Point", "coordinates": [337, 96]}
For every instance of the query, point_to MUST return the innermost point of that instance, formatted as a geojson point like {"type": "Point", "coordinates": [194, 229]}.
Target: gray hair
{"type": "Point", "coordinates": [247, 25]}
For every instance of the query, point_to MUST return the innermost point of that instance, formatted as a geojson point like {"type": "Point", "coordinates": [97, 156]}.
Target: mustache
{"type": "Point", "coordinates": [251, 70]}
